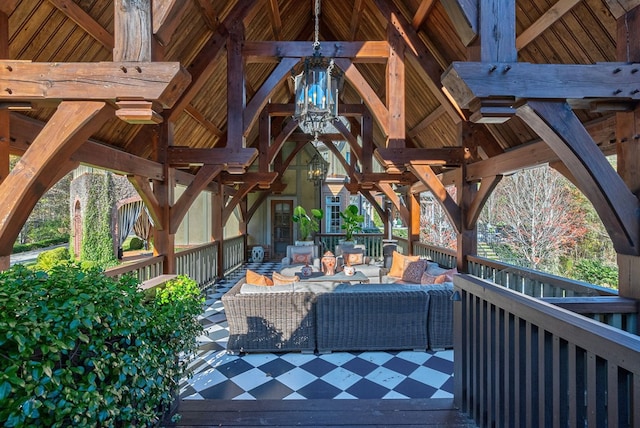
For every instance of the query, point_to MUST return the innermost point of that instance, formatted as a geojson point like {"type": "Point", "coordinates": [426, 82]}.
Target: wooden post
{"type": "Point", "coordinates": [413, 201]}
{"type": "Point", "coordinates": [235, 88]}
{"type": "Point", "coordinates": [628, 148]}
{"type": "Point", "coordinates": [5, 141]}
{"type": "Point", "coordinates": [133, 30]}
{"type": "Point", "coordinates": [164, 239]}
{"type": "Point", "coordinates": [217, 228]}
{"type": "Point", "coordinates": [396, 89]}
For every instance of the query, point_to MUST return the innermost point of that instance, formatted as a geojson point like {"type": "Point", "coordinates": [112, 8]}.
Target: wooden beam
{"type": "Point", "coordinates": [354, 22]}
{"type": "Point", "coordinates": [69, 126]}
{"type": "Point", "coordinates": [276, 22]}
{"type": "Point", "coordinates": [487, 185]}
{"type": "Point", "coordinates": [421, 14]}
{"type": "Point", "coordinates": [426, 175]}
{"type": "Point", "coordinates": [427, 121]}
{"type": "Point", "coordinates": [553, 14]}
{"type": "Point", "coordinates": [208, 12]}
{"type": "Point", "coordinates": [595, 304]}
{"type": "Point", "coordinates": [143, 187]}
{"type": "Point", "coordinates": [395, 89]}
{"type": "Point", "coordinates": [154, 81]}
{"type": "Point", "coordinates": [526, 155]}
{"type": "Point", "coordinates": [371, 51]}
{"type": "Point", "coordinates": [391, 195]}
{"type": "Point", "coordinates": [202, 179]}
{"type": "Point", "coordinates": [450, 156]}
{"type": "Point", "coordinates": [464, 16]}
{"type": "Point", "coordinates": [620, 7]}
{"type": "Point", "coordinates": [616, 205]}
{"type": "Point", "coordinates": [262, 96]}
{"type": "Point", "coordinates": [498, 31]}
{"type": "Point", "coordinates": [202, 67]}
{"type": "Point", "coordinates": [8, 6]}
{"type": "Point", "coordinates": [340, 158]}
{"type": "Point", "coordinates": [199, 117]}
{"type": "Point", "coordinates": [366, 92]}
{"type": "Point", "coordinates": [132, 29]}
{"type": "Point", "coordinates": [177, 155]}
{"type": "Point", "coordinates": [423, 59]}
{"type": "Point", "coordinates": [243, 191]}
{"type": "Point", "coordinates": [279, 141]}
{"type": "Point", "coordinates": [74, 12]}
{"type": "Point", "coordinates": [91, 152]}
{"type": "Point", "coordinates": [467, 81]}
{"type": "Point", "coordinates": [235, 88]}
{"type": "Point", "coordinates": [5, 120]}
{"type": "Point", "coordinates": [167, 15]}
{"type": "Point", "coordinates": [351, 139]}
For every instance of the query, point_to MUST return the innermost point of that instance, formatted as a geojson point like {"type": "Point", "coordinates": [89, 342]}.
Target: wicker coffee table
{"type": "Point", "coordinates": [338, 277]}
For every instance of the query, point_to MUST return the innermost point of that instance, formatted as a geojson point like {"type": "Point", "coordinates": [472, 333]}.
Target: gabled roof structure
{"type": "Point", "coordinates": [199, 93]}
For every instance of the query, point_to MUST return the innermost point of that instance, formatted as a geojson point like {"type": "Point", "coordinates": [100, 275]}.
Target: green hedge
{"type": "Point", "coordinates": [80, 349]}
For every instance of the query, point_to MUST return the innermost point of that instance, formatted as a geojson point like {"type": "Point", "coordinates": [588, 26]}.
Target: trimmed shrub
{"type": "Point", "coordinates": [136, 243]}
{"type": "Point", "coordinates": [81, 349]}
{"type": "Point", "coordinates": [48, 259]}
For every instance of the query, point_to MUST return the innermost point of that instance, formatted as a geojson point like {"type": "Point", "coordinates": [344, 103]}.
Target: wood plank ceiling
{"type": "Point", "coordinates": [562, 32]}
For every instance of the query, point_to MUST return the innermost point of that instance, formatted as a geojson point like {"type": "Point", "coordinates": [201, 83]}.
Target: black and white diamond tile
{"type": "Point", "coordinates": [340, 375]}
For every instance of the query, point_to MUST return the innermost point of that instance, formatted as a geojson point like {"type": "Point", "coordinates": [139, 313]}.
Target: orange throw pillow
{"type": "Point", "coordinates": [399, 262]}
{"type": "Point", "coordinates": [257, 279]}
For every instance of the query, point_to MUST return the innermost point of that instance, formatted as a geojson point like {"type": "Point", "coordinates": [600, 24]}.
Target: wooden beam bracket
{"type": "Point", "coordinates": [139, 112]}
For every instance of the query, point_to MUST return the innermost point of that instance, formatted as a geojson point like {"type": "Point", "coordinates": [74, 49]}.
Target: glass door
{"type": "Point", "coordinates": [281, 227]}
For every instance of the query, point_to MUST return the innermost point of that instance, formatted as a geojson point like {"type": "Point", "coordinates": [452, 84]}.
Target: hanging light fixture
{"type": "Point", "coordinates": [316, 89]}
{"type": "Point", "coordinates": [317, 169]}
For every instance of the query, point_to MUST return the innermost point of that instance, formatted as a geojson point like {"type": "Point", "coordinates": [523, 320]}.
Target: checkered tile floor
{"type": "Point", "coordinates": [340, 375]}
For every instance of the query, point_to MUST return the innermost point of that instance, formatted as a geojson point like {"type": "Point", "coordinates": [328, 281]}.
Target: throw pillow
{"type": "Point", "coordinates": [414, 270]}
{"type": "Point", "coordinates": [303, 258]}
{"type": "Point", "coordinates": [427, 278]}
{"type": "Point", "coordinates": [447, 276]}
{"type": "Point", "coordinates": [353, 258]}
{"type": "Point", "coordinates": [398, 263]}
{"type": "Point", "coordinates": [257, 279]}
{"type": "Point", "coordinates": [279, 279]}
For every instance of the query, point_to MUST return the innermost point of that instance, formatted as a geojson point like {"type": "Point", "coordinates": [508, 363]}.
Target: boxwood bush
{"type": "Point", "coordinates": [78, 348]}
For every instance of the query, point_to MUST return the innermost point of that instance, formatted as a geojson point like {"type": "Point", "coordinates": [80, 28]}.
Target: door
{"type": "Point", "coordinates": [281, 227]}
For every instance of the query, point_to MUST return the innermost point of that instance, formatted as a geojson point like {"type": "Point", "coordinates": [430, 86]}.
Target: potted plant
{"type": "Point", "coordinates": [351, 222]}
{"type": "Point", "coordinates": [307, 224]}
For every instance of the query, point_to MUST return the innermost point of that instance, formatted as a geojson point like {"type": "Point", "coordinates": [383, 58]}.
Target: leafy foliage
{"type": "Point", "coordinates": [307, 223]}
{"type": "Point", "coordinates": [48, 259]}
{"type": "Point", "coordinates": [78, 348]}
{"type": "Point", "coordinates": [351, 221]}
{"type": "Point", "coordinates": [97, 243]}
{"type": "Point", "coordinates": [136, 243]}
{"type": "Point", "coordinates": [596, 272]}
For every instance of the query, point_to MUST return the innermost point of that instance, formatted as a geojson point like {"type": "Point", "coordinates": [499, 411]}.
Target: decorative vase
{"type": "Point", "coordinates": [328, 261]}
{"type": "Point", "coordinates": [349, 270]}
{"type": "Point", "coordinates": [306, 270]}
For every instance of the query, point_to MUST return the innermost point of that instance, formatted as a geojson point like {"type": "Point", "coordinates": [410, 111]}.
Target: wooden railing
{"type": "Point", "coordinates": [371, 241]}
{"type": "Point", "coordinates": [199, 263]}
{"type": "Point", "coordinates": [520, 361]}
{"type": "Point", "coordinates": [445, 257]}
{"type": "Point", "coordinates": [233, 251]}
{"type": "Point", "coordinates": [532, 282]}
{"type": "Point", "coordinates": [143, 270]}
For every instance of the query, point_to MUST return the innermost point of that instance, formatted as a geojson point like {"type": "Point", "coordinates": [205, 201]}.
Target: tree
{"type": "Point", "coordinates": [435, 227]}
{"type": "Point", "coordinates": [540, 217]}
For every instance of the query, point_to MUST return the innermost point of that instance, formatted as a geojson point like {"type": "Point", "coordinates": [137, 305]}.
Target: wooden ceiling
{"type": "Point", "coordinates": [195, 31]}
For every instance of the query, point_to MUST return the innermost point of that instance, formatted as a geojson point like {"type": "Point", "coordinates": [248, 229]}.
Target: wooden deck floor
{"type": "Point", "coordinates": [321, 413]}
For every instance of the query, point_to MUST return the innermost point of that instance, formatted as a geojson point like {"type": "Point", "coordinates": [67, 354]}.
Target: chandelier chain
{"type": "Point", "coordinates": [316, 32]}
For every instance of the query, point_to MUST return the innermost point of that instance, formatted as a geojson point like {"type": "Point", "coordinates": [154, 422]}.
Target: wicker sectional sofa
{"type": "Point", "coordinates": [322, 317]}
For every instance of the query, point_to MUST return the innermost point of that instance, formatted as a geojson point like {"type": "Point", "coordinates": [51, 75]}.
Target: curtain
{"type": "Point", "coordinates": [142, 227]}
{"type": "Point", "coordinates": [127, 216]}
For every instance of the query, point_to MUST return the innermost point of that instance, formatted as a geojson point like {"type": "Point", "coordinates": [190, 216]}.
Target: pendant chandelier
{"type": "Point", "coordinates": [317, 167]}
{"type": "Point", "coordinates": [316, 89]}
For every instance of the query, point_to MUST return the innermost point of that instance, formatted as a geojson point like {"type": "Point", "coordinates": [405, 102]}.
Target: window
{"type": "Point", "coordinates": [332, 210]}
